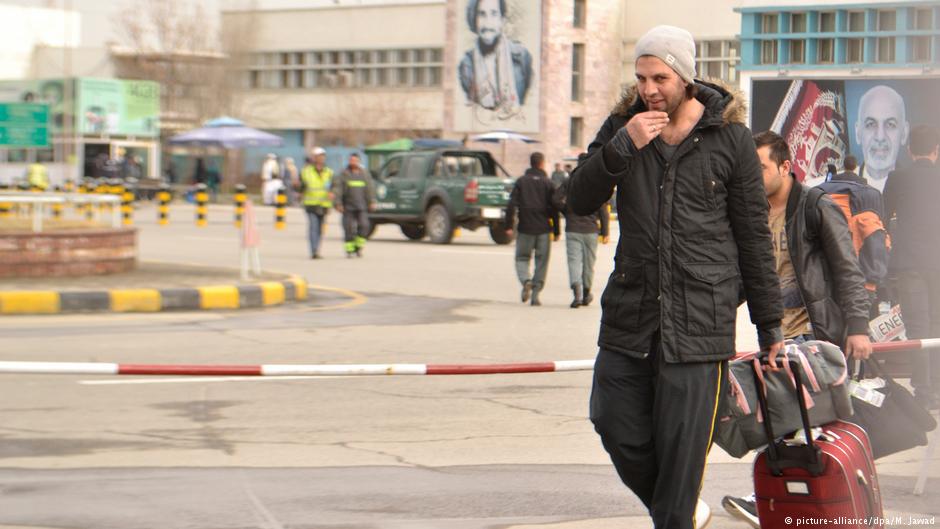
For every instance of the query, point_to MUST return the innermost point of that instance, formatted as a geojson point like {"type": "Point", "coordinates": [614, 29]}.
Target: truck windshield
{"type": "Point", "coordinates": [465, 165]}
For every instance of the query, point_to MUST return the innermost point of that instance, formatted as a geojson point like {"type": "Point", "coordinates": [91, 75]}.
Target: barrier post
{"type": "Point", "coordinates": [163, 210]}
{"type": "Point", "coordinates": [280, 210]}
{"type": "Point", "coordinates": [92, 189]}
{"type": "Point", "coordinates": [240, 197]}
{"type": "Point", "coordinates": [127, 202]}
{"type": "Point", "coordinates": [202, 199]}
{"type": "Point", "coordinates": [6, 208]}
{"type": "Point", "coordinates": [57, 206]}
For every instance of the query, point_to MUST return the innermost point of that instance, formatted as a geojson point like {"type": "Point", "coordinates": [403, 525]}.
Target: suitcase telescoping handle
{"type": "Point", "coordinates": [783, 455]}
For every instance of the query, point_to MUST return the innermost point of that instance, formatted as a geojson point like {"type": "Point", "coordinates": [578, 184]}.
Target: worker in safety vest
{"type": "Point", "coordinates": [355, 198]}
{"type": "Point", "coordinates": [38, 176]}
{"type": "Point", "coordinates": [315, 182]}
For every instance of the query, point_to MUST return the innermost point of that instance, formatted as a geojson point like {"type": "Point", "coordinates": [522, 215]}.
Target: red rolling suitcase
{"type": "Point", "coordinates": [828, 481]}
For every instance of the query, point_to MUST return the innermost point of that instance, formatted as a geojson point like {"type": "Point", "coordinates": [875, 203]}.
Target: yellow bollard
{"type": "Point", "coordinates": [92, 189]}
{"type": "Point", "coordinates": [163, 210]}
{"type": "Point", "coordinates": [202, 210]}
{"type": "Point", "coordinates": [127, 207]}
{"type": "Point", "coordinates": [240, 198]}
{"type": "Point", "coordinates": [57, 207]}
{"type": "Point", "coordinates": [6, 208]}
{"type": "Point", "coordinates": [280, 210]}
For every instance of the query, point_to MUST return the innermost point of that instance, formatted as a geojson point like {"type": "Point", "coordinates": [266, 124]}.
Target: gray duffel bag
{"type": "Point", "coordinates": [822, 364]}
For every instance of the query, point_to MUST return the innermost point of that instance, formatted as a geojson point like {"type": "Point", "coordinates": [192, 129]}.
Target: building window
{"type": "Point", "coordinates": [345, 68]}
{"type": "Point", "coordinates": [797, 49]}
{"type": "Point", "coordinates": [798, 23]}
{"type": "Point", "coordinates": [826, 51]}
{"type": "Point", "coordinates": [769, 23]}
{"type": "Point", "coordinates": [884, 49]}
{"type": "Point", "coordinates": [577, 132]}
{"type": "Point", "coordinates": [579, 13]}
{"type": "Point", "coordinates": [923, 19]}
{"type": "Point", "coordinates": [920, 50]}
{"type": "Point", "coordinates": [577, 72]}
{"type": "Point", "coordinates": [718, 59]}
{"type": "Point", "coordinates": [827, 22]}
{"type": "Point", "coordinates": [854, 51]}
{"type": "Point", "coordinates": [856, 21]}
{"type": "Point", "coordinates": [768, 52]}
{"type": "Point", "coordinates": [887, 20]}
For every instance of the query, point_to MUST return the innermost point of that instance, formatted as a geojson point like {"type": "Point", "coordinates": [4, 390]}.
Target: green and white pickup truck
{"type": "Point", "coordinates": [431, 193]}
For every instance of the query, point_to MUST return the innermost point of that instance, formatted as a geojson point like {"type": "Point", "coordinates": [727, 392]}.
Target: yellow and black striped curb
{"type": "Point", "coordinates": [225, 297]}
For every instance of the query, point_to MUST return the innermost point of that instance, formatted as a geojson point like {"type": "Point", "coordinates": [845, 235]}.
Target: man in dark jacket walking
{"type": "Point", "coordinates": [532, 198]}
{"type": "Point", "coordinates": [911, 196]}
{"type": "Point", "coordinates": [822, 286]}
{"type": "Point", "coordinates": [581, 234]}
{"type": "Point", "coordinates": [693, 221]}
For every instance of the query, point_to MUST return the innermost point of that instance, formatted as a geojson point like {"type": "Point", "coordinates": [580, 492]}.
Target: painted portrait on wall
{"type": "Point", "coordinates": [497, 67]}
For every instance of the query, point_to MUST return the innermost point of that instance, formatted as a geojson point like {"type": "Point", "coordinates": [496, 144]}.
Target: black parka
{"type": "Point", "coordinates": [690, 230]}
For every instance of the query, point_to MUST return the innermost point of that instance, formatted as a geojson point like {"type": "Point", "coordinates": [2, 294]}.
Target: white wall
{"type": "Point", "coordinates": [22, 28]}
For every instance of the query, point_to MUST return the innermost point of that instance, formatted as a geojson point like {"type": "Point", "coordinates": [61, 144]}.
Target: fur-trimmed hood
{"type": "Point", "coordinates": [719, 100]}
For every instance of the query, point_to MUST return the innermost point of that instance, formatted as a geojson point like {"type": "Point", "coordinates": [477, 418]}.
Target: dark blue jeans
{"type": "Point", "coordinates": [314, 230]}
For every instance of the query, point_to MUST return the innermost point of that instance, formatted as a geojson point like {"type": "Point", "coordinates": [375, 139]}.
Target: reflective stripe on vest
{"type": "Point", "coordinates": [317, 186]}
{"type": "Point", "coordinates": [356, 183]}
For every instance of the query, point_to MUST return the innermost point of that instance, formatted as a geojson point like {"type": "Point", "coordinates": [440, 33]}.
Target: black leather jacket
{"type": "Point", "coordinates": [827, 270]}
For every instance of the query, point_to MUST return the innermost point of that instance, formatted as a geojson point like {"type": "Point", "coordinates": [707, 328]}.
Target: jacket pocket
{"type": "Point", "coordinates": [711, 295]}
{"type": "Point", "coordinates": [623, 297]}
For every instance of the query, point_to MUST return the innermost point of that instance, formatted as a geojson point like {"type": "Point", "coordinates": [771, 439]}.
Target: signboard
{"type": "Point", "coordinates": [825, 120]}
{"type": "Point", "coordinates": [24, 125]}
{"type": "Point", "coordinates": [92, 106]}
{"type": "Point", "coordinates": [118, 107]}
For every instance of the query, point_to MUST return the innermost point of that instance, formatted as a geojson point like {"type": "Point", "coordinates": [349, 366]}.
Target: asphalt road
{"type": "Point", "coordinates": [463, 452]}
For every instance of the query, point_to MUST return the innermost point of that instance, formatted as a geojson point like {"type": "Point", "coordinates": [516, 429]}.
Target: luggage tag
{"type": "Point", "coordinates": [866, 393]}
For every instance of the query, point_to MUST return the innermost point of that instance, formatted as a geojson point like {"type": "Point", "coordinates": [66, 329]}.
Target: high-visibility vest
{"type": "Point", "coordinates": [38, 177]}
{"type": "Point", "coordinates": [317, 186]}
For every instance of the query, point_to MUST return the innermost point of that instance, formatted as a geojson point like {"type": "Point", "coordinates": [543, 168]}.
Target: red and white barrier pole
{"type": "Point", "coordinates": [274, 370]}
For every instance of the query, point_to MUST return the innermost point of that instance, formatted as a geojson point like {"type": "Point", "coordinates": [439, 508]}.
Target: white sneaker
{"type": "Point", "coordinates": [703, 514]}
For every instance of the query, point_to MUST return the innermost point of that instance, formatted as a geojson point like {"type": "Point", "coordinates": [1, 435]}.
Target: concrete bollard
{"type": "Point", "coordinates": [92, 189]}
{"type": "Point", "coordinates": [6, 208]}
{"type": "Point", "coordinates": [280, 210]}
{"type": "Point", "coordinates": [202, 209]}
{"type": "Point", "coordinates": [127, 202]}
{"type": "Point", "coordinates": [240, 198]}
{"type": "Point", "coordinates": [163, 210]}
{"type": "Point", "coordinates": [57, 207]}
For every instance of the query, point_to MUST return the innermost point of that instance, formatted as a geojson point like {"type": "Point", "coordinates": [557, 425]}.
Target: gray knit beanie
{"type": "Point", "coordinates": [675, 46]}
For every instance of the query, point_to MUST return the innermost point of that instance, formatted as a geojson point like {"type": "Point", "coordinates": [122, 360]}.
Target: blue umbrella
{"type": "Point", "coordinates": [228, 133]}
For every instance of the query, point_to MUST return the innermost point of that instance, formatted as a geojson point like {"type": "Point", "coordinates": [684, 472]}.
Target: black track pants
{"type": "Point", "coordinates": [656, 420]}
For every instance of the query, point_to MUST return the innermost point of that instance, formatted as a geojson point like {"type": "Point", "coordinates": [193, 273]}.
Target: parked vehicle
{"type": "Point", "coordinates": [431, 193]}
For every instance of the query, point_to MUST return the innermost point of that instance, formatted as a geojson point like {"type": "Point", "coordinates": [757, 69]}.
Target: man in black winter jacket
{"type": "Point", "coordinates": [693, 221]}
{"type": "Point", "coordinates": [532, 198]}
{"type": "Point", "coordinates": [821, 283]}
{"type": "Point", "coordinates": [911, 196]}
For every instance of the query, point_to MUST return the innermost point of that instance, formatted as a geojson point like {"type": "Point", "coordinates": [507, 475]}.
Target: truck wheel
{"type": "Point", "coordinates": [499, 234]}
{"type": "Point", "coordinates": [439, 225]}
{"type": "Point", "coordinates": [415, 232]}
